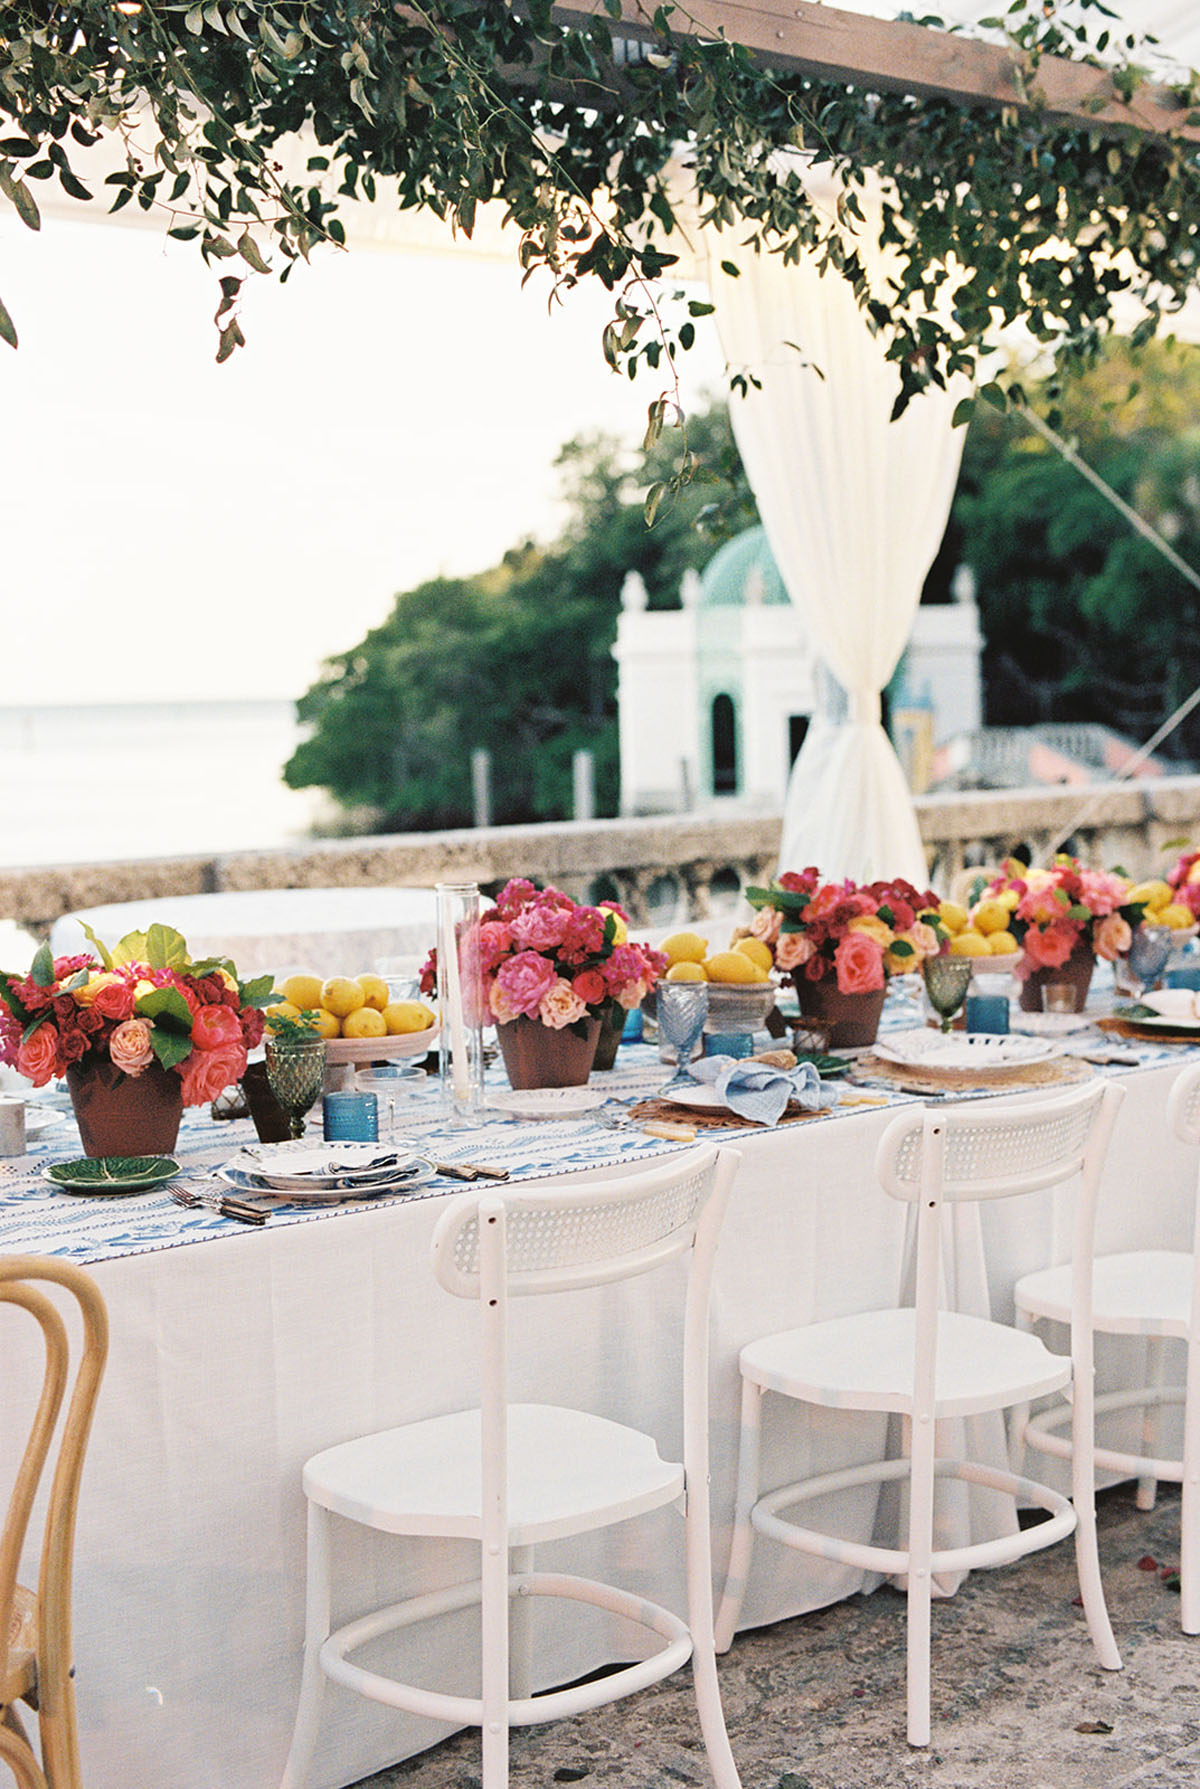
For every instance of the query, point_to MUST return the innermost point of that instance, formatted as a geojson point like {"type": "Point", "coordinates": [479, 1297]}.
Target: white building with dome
{"type": "Point", "coordinates": [715, 697]}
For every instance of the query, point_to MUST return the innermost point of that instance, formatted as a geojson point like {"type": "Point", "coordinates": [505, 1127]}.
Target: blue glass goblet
{"type": "Point", "coordinates": [682, 1010]}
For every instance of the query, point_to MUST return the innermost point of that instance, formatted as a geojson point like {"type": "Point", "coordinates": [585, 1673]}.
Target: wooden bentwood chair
{"type": "Point", "coordinates": [36, 1665]}
{"type": "Point", "coordinates": [508, 1476]}
{"type": "Point", "coordinates": [926, 1365]}
{"type": "Point", "coordinates": [1151, 1296]}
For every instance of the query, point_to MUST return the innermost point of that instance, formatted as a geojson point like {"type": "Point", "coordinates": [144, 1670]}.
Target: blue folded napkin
{"type": "Point", "coordinates": [759, 1092]}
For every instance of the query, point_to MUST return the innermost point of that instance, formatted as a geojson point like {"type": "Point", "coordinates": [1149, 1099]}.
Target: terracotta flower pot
{"type": "Point", "coordinates": [120, 1114]}
{"type": "Point", "coordinates": [535, 1055]}
{"type": "Point", "coordinates": [611, 1032]}
{"type": "Point", "coordinates": [853, 1019]}
{"type": "Point", "coordinates": [1076, 972]}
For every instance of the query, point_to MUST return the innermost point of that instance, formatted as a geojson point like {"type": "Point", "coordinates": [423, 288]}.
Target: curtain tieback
{"type": "Point", "coordinates": [864, 707]}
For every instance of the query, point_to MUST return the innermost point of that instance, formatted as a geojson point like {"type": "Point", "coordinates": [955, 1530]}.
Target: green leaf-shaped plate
{"type": "Point", "coordinates": [105, 1175]}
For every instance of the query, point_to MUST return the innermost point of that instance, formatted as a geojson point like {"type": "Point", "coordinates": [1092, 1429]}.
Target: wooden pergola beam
{"type": "Point", "coordinates": [884, 55]}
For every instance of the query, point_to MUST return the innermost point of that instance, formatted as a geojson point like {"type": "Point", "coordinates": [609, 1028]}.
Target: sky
{"type": "Point", "coordinates": [176, 528]}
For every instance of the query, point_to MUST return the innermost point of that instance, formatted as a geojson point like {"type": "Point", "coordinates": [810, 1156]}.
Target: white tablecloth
{"type": "Point", "coordinates": [236, 1357]}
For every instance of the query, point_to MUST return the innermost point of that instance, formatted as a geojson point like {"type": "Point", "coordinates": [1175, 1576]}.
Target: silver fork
{"type": "Point", "coordinates": [229, 1208]}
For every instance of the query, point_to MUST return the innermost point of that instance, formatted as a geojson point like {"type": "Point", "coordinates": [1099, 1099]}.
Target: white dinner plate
{"type": "Point", "coordinates": [1050, 1024]}
{"type": "Point", "coordinates": [977, 1052]}
{"type": "Point", "coordinates": [297, 1167]}
{"type": "Point", "coordinates": [402, 1180]}
{"type": "Point", "coordinates": [547, 1102]}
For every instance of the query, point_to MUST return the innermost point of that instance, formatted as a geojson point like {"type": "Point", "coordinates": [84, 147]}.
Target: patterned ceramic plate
{"type": "Point", "coordinates": [110, 1174]}
{"type": "Point", "coordinates": [547, 1102]}
{"type": "Point", "coordinates": [975, 1051]}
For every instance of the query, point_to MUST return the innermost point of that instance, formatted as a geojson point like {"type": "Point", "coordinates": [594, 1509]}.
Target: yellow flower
{"type": "Point", "coordinates": [874, 927]}
{"type": "Point", "coordinates": [85, 995]}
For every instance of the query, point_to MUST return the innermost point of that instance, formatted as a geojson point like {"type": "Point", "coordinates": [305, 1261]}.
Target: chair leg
{"type": "Point", "coordinates": [1147, 1485]}
{"type": "Point", "coordinates": [316, 1632]}
{"type": "Point", "coordinates": [741, 1543]}
{"type": "Point", "coordinates": [16, 1752]}
{"type": "Point", "coordinates": [1087, 1551]}
{"type": "Point", "coordinates": [698, 1557]}
{"type": "Point", "coordinates": [920, 1583]}
{"type": "Point", "coordinates": [1189, 1515]}
{"type": "Point", "coordinates": [1018, 1416]}
{"type": "Point", "coordinates": [494, 1629]}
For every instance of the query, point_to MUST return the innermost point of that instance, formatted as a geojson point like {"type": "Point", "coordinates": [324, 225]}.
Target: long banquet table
{"type": "Point", "coordinates": [237, 1352]}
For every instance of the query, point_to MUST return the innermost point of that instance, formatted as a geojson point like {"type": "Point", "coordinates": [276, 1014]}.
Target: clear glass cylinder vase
{"type": "Point", "coordinates": [461, 1003]}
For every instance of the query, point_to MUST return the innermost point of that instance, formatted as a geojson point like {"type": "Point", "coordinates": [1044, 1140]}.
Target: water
{"type": "Point", "coordinates": [91, 784]}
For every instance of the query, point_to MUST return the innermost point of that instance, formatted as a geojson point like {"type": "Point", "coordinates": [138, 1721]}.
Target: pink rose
{"type": "Point", "coordinates": [540, 928]}
{"type": "Point", "coordinates": [206, 1073]}
{"type": "Point", "coordinates": [526, 979]}
{"type": "Point", "coordinates": [1112, 937]}
{"type": "Point", "coordinates": [38, 1056]}
{"type": "Point", "coordinates": [214, 1027]}
{"type": "Point", "coordinates": [561, 1006]}
{"type": "Point", "coordinates": [1051, 948]}
{"type": "Point", "coordinates": [859, 962]}
{"type": "Point", "coordinates": [793, 950]}
{"type": "Point", "coordinates": [130, 1046]}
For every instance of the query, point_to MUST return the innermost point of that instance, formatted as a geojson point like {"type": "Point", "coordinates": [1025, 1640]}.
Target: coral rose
{"type": "Point", "coordinates": [561, 1006]}
{"type": "Point", "coordinates": [1050, 949]}
{"type": "Point", "coordinates": [130, 1046]}
{"type": "Point", "coordinates": [214, 1027]}
{"type": "Point", "coordinates": [589, 985]}
{"type": "Point", "coordinates": [859, 963]}
{"type": "Point", "coordinates": [114, 999]}
{"type": "Point", "coordinates": [38, 1056]}
{"type": "Point", "coordinates": [207, 1073]}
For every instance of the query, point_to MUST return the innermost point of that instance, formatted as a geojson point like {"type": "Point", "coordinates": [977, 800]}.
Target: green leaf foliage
{"type": "Point", "coordinates": [517, 660]}
{"type": "Point", "coordinates": [995, 214]}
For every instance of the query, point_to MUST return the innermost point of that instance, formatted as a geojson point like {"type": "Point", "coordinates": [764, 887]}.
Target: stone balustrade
{"type": "Point", "coordinates": [664, 868]}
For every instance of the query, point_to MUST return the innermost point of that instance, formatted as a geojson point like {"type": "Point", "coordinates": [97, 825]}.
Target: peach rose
{"type": "Point", "coordinates": [859, 962]}
{"type": "Point", "coordinates": [37, 1057]}
{"type": "Point", "coordinates": [793, 950]}
{"type": "Point", "coordinates": [130, 1046]}
{"type": "Point", "coordinates": [206, 1073]}
{"type": "Point", "coordinates": [1112, 937]}
{"type": "Point", "coordinates": [503, 1009]}
{"type": "Point", "coordinates": [561, 1006]}
{"type": "Point", "coordinates": [766, 924]}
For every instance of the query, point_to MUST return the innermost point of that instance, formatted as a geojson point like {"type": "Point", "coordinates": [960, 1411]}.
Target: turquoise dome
{"type": "Point", "coordinates": [723, 580]}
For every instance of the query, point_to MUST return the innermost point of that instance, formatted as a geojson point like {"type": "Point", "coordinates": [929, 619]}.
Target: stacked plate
{"type": "Point", "coordinates": [977, 1052]}
{"type": "Point", "coordinates": [325, 1172]}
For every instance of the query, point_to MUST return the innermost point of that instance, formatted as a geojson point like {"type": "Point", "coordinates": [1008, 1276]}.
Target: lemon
{"type": "Point", "coordinates": [403, 1016]}
{"type": "Point", "coordinates": [1001, 944]}
{"type": "Point", "coordinates": [281, 1009]}
{"type": "Point", "coordinates": [686, 971]}
{"type": "Point", "coordinates": [952, 916]}
{"type": "Point", "coordinates": [684, 947]}
{"type": "Point", "coordinates": [1175, 915]}
{"type": "Point", "coordinates": [366, 1022]}
{"type": "Point", "coordinates": [304, 991]}
{"type": "Point", "coordinates": [1155, 894]}
{"type": "Point", "coordinates": [969, 944]}
{"type": "Point", "coordinates": [323, 1023]}
{"type": "Point", "coordinates": [990, 916]}
{"type": "Point", "coordinates": [734, 966]}
{"type": "Point", "coordinates": [756, 950]}
{"type": "Point", "coordinates": [341, 996]}
{"type": "Point", "coordinates": [375, 989]}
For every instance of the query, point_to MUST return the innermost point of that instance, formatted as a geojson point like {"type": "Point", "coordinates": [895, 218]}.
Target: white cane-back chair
{"type": "Point", "coordinates": [926, 1364]}
{"type": "Point", "coordinates": [36, 1661]}
{"type": "Point", "coordinates": [509, 1476]}
{"type": "Point", "coordinates": [1154, 1295]}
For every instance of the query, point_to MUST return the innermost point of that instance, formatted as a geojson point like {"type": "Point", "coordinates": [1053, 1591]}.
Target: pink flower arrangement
{"type": "Point", "coordinates": [1184, 882]}
{"type": "Point", "coordinates": [144, 1001]}
{"type": "Point", "coordinates": [1066, 907]}
{"type": "Point", "coordinates": [546, 957]}
{"type": "Point", "coordinates": [860, 935]}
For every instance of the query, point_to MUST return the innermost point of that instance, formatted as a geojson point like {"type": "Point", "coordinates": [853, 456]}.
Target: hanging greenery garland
{"type": "Point", "coordinates": [995, 216]}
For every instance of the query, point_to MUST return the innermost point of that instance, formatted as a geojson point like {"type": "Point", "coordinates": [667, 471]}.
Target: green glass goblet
{"type": "Point", "coordinates": [296, 1075]}
{"type": "Point", "coordinates": [946, 982]}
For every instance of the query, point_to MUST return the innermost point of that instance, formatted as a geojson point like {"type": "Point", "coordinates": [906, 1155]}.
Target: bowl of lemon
{"type": "Point", "coordinates": [982, 933]}
{"type": "Point", "coordinates": [357, 1017]}
{"type": "Point", "coordinates": [740, 990]}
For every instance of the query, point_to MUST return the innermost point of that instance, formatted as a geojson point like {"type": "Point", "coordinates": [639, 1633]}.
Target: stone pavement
{"type": "Point", "coordinates": [818, 1702]}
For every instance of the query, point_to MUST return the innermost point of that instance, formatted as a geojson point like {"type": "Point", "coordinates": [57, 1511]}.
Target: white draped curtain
{"type": "Point", "coordinates": [854, 507]}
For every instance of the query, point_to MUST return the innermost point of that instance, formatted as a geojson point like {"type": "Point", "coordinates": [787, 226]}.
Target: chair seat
{"type": "Point", "coordinates": [1146, 1292]}
{"type": "Point", "coordinates": [568, 1472]}
{"type": "Point", "coordinates": [865, 1362]}
{"type": "Point", "coordinates": [21, 1673]}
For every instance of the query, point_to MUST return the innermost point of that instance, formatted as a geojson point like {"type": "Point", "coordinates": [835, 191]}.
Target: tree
{"type": "Point", "coordinates": [1084, 620]}
{"type": "Point", "coordinates": [517, 660]}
